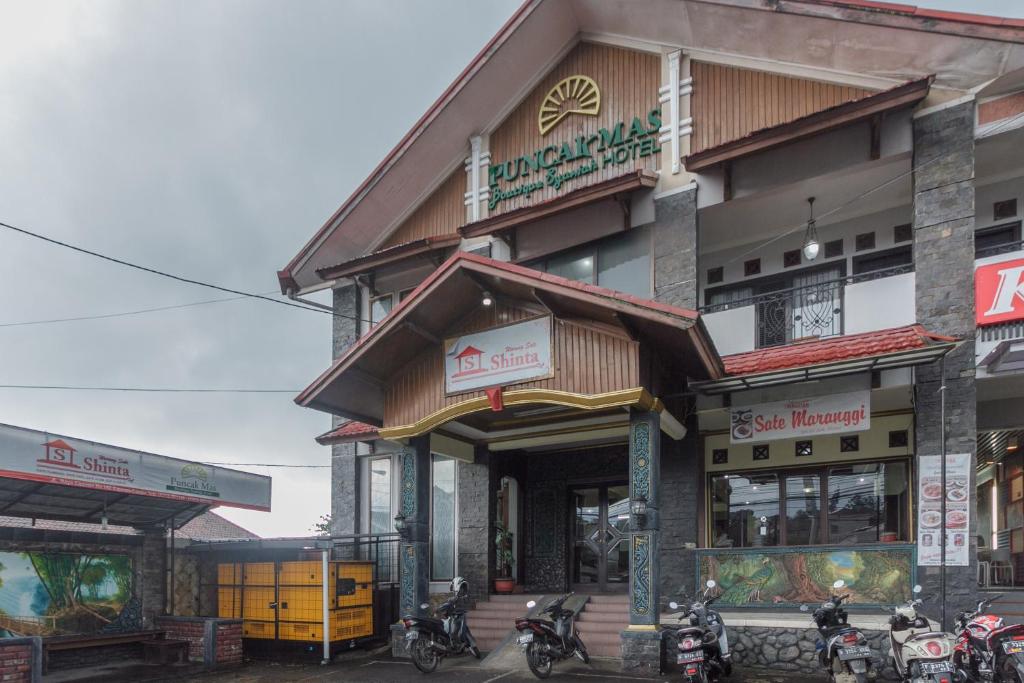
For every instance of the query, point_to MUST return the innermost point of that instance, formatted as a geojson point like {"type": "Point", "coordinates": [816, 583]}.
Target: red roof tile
{"type": "Point", "coordinates": [349, 431]}
{"type": "Point", "coordinates": [831, 350]}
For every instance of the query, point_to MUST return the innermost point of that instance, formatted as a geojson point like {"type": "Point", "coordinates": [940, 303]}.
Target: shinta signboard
{"type": "Point", "coordinates": [999, 292]}
{"type": "Point", "coordinates": [833, 414]}
{"type": "Point", "coordinates": [513, 353]}
{"type": "Point", "coordinates": [32, 455]}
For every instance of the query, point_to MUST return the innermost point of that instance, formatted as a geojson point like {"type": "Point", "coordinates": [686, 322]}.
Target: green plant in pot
{"type": "Point", "coordinates": [504, 583]}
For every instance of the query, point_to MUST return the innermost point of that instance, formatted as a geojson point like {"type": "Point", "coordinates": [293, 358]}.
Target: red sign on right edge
{"type": "Point", "coordinates": [999, 292]}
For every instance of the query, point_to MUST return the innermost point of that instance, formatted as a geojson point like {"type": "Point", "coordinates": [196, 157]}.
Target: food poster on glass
{"type": "Point", "coordinates": [929, 510]}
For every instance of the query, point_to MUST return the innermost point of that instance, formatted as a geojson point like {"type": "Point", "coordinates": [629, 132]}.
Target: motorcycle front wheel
{"type": "Point", "coordinates": [538, 661]}
{"type": "Point", "coordinates": [424, 656]}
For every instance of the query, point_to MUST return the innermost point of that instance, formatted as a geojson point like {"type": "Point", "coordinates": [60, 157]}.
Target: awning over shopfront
{"type": "Point", "coordinates": [612, 325]}
{"type": "Point", "coordinates": [49, 476]}
{"type": "Point", "coordinates": [897, 347]}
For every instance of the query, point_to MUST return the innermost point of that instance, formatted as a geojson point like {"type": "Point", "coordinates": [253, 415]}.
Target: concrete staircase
{"type": "Point", "coordinates": [601, 622]}
{"type": "Point", "coordinates": [492, 620]}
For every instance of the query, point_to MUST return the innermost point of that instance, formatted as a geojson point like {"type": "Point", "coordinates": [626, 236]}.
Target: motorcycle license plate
{"type": "Point", "coordinates": [936, 667]}
{"type": "Point", "coordinates": [690, 657]}
{"type": "Point", "coordinates": [525, 638]}
{"type": "Point", "coordinates": [858, 652]}
{"type": "Point", "coordinates": [1013, 647]}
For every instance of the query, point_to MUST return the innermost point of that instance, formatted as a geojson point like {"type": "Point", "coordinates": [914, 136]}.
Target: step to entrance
{"type": "Point", "coordinates": [493, 619]}
{"type": "Point", "coordinates": [601, 624]}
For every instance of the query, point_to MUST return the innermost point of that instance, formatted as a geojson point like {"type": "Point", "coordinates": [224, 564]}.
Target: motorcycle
{"type": "Point", "coordinates": [430, 639]}
{"type": "Point", "coordinates": [703, 646]}
{"type": "Point", "coordinates": [546, 641]}
{"type": "Point", "coordinates": [986, 649]}
{"type": "Point", "coordinates": [842, 650]}
{"type": "Point", "coordinates": [919, 653]}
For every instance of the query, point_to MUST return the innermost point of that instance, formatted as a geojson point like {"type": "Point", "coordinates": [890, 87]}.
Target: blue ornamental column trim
{"type": "Point", "coordinates": [414, 506]}
{"type": "Point", "coordinates": [640, 461]}
{"type": "Point", "coordinates": [408, 464]}
{"type": "Point", "coordinates": [644, 473]}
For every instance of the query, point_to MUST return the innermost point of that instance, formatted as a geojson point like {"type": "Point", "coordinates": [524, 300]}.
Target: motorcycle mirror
{"type": "Point", "coordinates": [425, 606]}
{"type": "Point", "coordinates": [917, 589]}
{"type": "Point", "coordinates": [674, 604]}
{"type": "Point", "coordinates": [711, 583]}
{"type": "Point", "coordinates": [838, 584]}
{"type": "Point", "coordinates": [531, 604]}
{"type": "Point", "coordinates": [804, 608]}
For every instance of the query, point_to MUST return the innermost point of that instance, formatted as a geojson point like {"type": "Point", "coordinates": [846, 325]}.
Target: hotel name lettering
{"type": "Point", "coordinates": [554, 165]}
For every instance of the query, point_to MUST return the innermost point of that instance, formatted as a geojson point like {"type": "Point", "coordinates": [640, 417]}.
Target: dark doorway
{"type": "Point", "coordinates": [600, 542]}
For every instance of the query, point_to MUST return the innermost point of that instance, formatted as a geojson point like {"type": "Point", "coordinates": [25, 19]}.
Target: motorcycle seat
{"type": "Point", "coordinates": [903, 636]}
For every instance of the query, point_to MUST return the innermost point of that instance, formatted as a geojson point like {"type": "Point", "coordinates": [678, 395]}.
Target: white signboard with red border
{"type": "Point", "coordinates": [930, 493]}
{"type": "Point", "coordinates": [518, 352]}
{"type": "Point", "coordinates": [999, 292]}
{"type": "Point", "coordinates": [832, 414]}
{"type": "Point", "coordinates": [32, 455]}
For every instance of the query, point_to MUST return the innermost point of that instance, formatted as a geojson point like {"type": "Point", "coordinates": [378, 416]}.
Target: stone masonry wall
{"type": "Point", "coordinates": [21, 660]}
{"type": "Point", "coordinates": [213, 641]}
{"type": "Point", "coordinates": [344, 465]}
{"type": "Point", "coordinates": [476, 520]}
{"type": "Point", "coordinates": [944, 264]}
{"type": "Point", "coordinates": [675, 249]}
{"type": "Point", "coordinates": [680, 487]}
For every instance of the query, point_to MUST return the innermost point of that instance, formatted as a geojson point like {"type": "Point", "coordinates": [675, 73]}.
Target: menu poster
{"type": "Point", "coordinates": [929, 510]}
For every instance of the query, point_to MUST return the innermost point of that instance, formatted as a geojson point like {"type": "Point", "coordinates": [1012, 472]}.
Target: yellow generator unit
{"type": "Point", "coordinates": [284, 600]}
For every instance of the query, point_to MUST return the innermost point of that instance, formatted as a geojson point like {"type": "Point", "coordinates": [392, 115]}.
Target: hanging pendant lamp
{"type": "Point", "coordinates": [811, 245]}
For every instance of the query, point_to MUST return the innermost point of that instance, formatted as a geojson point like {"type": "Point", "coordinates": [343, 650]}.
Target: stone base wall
{"type": "Point", "coordinates": [213, 641]}
{"type": "Point", "coordinates": [642, 652]}
{"type": "Point", "coordinates": [790, 649]}
{"type": "Point", "coordinates": [21, 660]}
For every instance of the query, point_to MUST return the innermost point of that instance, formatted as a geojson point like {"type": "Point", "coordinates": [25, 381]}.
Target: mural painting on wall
{"type": "Point", "coordinates": [753, 579]}
{"type": "Point", "coordinates": [57, 593]}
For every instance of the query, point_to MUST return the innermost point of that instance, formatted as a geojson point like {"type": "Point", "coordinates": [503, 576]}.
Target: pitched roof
{"type": "Point", "coordinates": [210, 526]}
{"type": "Point", "coordinates": [833, 349]}
{"type": "Point", "coordinates": [353, 430]}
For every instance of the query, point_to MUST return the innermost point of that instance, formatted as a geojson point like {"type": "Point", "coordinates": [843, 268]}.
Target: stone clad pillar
{"type": "Point", "coordinates": [944, 265]}
{"type": "Point", "coordinates": [344, 464]}
{"type": "Point", "coordinates": [414, 505]}
{"type": "Point", "coordinates": [641, 641]}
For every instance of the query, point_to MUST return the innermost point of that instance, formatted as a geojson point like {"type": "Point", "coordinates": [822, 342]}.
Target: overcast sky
{"type": "Point", "coordinates": [210, 139]}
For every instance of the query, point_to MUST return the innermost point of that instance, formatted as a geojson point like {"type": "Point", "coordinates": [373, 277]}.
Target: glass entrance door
{"type": "Point", "coordinates": [600, 538]}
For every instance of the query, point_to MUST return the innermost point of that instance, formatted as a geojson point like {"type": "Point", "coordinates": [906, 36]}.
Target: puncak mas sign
{"type": "Point", "coordinates": [999, 292]}
{"type": "Point", "coordinates": [847, 412]}
{"type": "Point", "coordinates": [556, 164]}
{"type": "Point", "coordinates": [502, 355]}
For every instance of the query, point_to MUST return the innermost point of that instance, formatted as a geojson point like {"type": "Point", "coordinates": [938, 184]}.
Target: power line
{"type": "Point", "coordinates": [179, 278]}
{"type": "Point", "coordinates": [154, 390]}
{"type": "Point", "coordinates": [103, 316]}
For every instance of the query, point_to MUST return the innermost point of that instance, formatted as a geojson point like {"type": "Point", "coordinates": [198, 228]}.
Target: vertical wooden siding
{"type": "Point", "coordinates": [628, 82]}
{"type": "Point", "coordinates": [442, 213]}
{"type": "Point", "coordinates": [586, 361]}
{"type": "Point", "coordinates": [729, 102]}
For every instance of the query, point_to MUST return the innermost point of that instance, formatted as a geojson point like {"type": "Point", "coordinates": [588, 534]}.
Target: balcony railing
{"type": "Point", "coordinates": [1006, 248]}
{"type": "Point", "coordinates": [809, 311]}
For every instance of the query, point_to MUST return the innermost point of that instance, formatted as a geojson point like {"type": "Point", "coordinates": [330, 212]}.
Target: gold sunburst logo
{"type": "Point", "coordinates": [572, 95]}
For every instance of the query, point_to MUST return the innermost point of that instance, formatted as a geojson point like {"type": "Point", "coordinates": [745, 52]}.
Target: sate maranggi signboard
{"type": "Point", "coordinates": [930, 493]}
{"type": "Point", "coordinates": [832, 414]}
{"type": "Point", "coordinates": [50, 458]}
{"type": "Point", "coordinates": [999, 292]}
{"type": "Point", "coordinates": [519, 352]}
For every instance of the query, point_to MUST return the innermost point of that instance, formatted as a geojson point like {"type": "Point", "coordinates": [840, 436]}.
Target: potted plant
{"type": "Point", "coordinates": [504, 583]}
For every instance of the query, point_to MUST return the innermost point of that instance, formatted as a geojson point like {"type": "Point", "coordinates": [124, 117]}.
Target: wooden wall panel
{"type": "Point", "coordinates": [440, 214]}
{"type": "Point", "coordinates": [628, 82]}
{"type": "Point", "coordinates": [729, 103]}
{"type": "Point", "coordinates": [587, 361]}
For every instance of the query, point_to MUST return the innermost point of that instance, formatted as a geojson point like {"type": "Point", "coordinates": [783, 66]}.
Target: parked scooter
{"type": "Point", "coordinates": [987, 649]}
{"type": "Point", "coordinates": [547, 641]}
{"type": "Point", "coordinates": [703, 646]}
{"type": "Point", "coordinates": [842, 650]}
{"type": "Point", "coordinates": [919, 653]}
{"type": "Point", "coordinates": [430, 639]}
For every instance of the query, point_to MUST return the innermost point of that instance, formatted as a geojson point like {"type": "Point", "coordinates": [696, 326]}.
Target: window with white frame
{"type": "Point", "coordinates": [380, 485]}
{"type": "Point", "coordinates": [380, 306]}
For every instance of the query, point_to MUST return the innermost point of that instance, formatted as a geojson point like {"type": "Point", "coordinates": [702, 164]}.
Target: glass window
{"type": "Point", "coordinates": [624, 264]}
{"type": "Point", "coordinates": [745, 510]}
{"type": "Point", "coordinates": [380, 496]}
{"type": "Point", "coordinates": [868, 503]}
{"type": "Point", "coordinates": [574, 265]}
{"type": "Point", "coordinates": [379, 308]}
{"type": "Point", "coordinates": [442, 518]}
{"type": "Point", "coordinates": [997, 240]}
{"type": "Point", "coordinates": [803, 509]}
{"type": "Point", "coordinates": [405, 293]}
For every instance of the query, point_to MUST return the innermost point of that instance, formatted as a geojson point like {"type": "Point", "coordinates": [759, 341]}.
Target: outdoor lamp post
{"type": "Point", "coordinates": [400, 526]}
{"type": "Point", "coordinates": [638, 509]}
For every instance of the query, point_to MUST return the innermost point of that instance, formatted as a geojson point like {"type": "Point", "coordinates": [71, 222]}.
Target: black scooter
{"type": "Point", "coordinates": [703, 646]}
{"type": "Point", "coordinates": [430, 639]}
{"type": "Point", "coordinates": [548, 641]}
{"type": "Point", "coordinates": [843, 651]}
